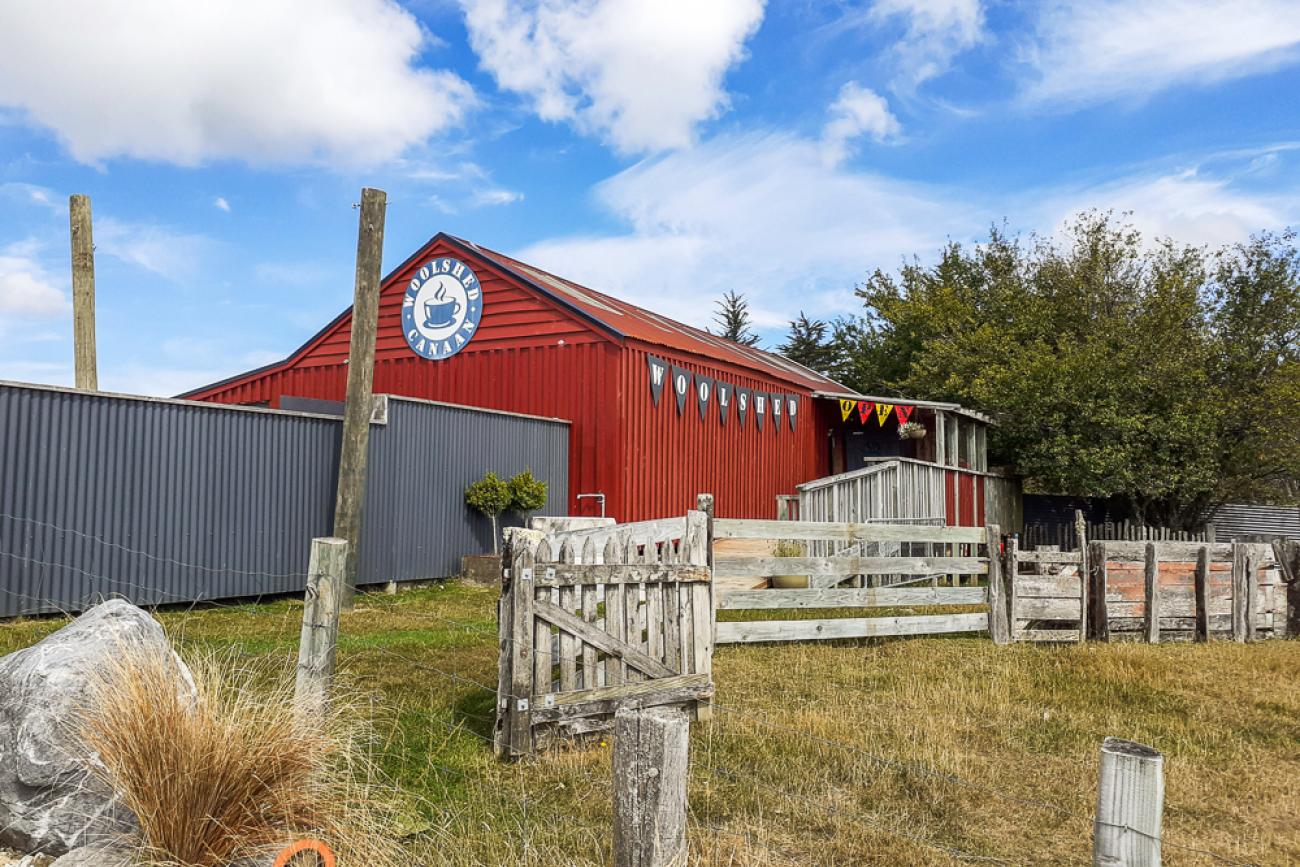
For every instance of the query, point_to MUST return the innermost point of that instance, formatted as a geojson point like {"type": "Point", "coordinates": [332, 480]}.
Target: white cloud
{"type": "Point", "coordinates": [934, 32]}
{"type": "Point", "coordinates": [265, 81]}
{"type": "Point", "coordinates": [856, 112]}
{"type": "Point", "coordinates": [765, 215]}
{"type": "Point", "coordinates": [639, 74]}
{"type": "Point", "coordinates": [26, 290]}
{"type": "Point", "coordinates": [221, 204]}
{"type": "Point", "coordinates": [1090, 51]}
{"type": "Point", "coordinates": [175, 255]}
{"type": "Point", "coordinates": [496, 196]}
{"type": "Point", "coordinates": [1189, 206]}
{"type": "Point", "coordinates": [762, 214]}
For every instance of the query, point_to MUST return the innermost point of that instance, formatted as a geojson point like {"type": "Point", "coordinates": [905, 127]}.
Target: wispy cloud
{"type": "Point", "coordinates": [27, 290]}
{"type": "Point", "coordinates": [221, 204]}
{"type": "Point", "coordinates": [1088, 51]}
{"type": "Point", "coordinates": [175, 255]}
{"type": "Point", "coordinates": [858, 111]}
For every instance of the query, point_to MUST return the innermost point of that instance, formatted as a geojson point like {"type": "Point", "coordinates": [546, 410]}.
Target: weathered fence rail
{"type": "Point", "coordinates": [588, 628]}
{"type": "Point", "coordinates": [959, 559]}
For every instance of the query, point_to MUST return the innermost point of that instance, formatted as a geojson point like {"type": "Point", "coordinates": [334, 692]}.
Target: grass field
{"type": "Point", "coordinates": [922, 751]}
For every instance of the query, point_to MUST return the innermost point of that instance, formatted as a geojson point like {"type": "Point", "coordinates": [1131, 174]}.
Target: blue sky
{"type": "Point", "coordinates": [665, 152]}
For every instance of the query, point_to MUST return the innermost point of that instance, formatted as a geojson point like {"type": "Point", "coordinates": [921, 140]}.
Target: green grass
{"type": "Point", "coordinates": [914, 751]}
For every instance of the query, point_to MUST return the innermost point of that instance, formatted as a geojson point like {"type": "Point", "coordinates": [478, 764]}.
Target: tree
{"type": "Point", "coordinates": [527, 493]}
{"type": "Point", "coordinates": [491, 496]}
{"type": "Point", "coordinates": [733, 318]}
{"type": "Point", "coordinates": [810, 344]}
{"type": "Point", "coordinates": [1159, 375]}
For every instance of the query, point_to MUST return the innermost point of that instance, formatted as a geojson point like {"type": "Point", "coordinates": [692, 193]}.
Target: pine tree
{"type": "Point", "coordinates": [733, 318]}
{"type": "Point", "coordinates": [809, 345]}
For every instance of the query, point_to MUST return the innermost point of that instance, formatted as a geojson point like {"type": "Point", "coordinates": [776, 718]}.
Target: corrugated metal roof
{"type": "Point", "coordinates": [628, 320]}
{"type": "Point", "coordinates": [1234, 520]}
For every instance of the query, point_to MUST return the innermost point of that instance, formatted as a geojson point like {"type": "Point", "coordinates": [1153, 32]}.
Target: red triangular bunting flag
{"type": "Point", "coordinates": [882, 412]}
{"type": "Point", "coordinates": [904, 413]}
{"type": "Point", "coordinates": [846, 409]}
{"type": "Point", "coordinates": [864, 410]}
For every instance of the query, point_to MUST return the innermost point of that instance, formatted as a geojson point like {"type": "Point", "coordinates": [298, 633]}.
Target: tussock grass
{"type": "Point", "coordinates": [914, 751]}
{"type": "Point", "coordinates": [228, 771]}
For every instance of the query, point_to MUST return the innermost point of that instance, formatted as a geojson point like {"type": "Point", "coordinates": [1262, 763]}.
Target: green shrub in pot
{"type": "Point", "coordinates": [788, 548]}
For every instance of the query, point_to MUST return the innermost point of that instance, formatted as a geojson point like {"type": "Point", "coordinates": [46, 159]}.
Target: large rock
{"type": "Point", "coordinates": [49, 800]}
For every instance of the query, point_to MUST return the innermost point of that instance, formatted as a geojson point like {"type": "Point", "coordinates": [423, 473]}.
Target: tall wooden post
{"type": "Point", "coordinates": [703, 599]}
{"type": "Point", "coordinates": [1010, 579]}
{"type": "Point", "coordinates": [650, 763]}
{"type": "Point", "coordinates": [999, 629]}
{"type": "Point", "coordinates": [1287, 553]}
{"type": "Point", "coordinates": [320, 625]}
{"type": "Point", "coordinates": [1152, 576]}
{"type": "Point", "coordinates": [83, 294]}
{"type": "Point", "coordinates": [1201, 587]}
{"type": "Point", "coordinates": [1130, 804]}
{"type": "Point", "coordinates": [1085, 573]}
{"type": "Point", "coordinates": [351, 494]}
{"type": "Point", "coordinates": [1099, 613]}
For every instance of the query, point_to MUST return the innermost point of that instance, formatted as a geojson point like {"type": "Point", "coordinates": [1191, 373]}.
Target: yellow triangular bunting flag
{"type": "Point", "coordinates": [846, 409]}
{"type": "Point", "coordinates": [882, 412]}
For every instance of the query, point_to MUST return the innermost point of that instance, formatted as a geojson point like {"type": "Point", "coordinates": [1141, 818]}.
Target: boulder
{"type": "Point", "coordinates": [94, 856]}
{"type": "Point", "coordinates": [50, 802]}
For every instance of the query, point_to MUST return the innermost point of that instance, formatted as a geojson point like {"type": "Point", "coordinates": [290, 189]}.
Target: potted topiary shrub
{"type": "Point", "coordinates": [491, 496]}
{"type": "Point", "coordinates": [527, 494]}
{"type": "Point", "coordinates": [787, 548]}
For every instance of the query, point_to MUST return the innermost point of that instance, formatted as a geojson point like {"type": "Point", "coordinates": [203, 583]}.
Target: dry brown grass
{"type": "Point", "coordinates": [229, 771]}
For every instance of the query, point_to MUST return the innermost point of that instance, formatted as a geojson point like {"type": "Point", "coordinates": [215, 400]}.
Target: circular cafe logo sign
{"type": "Point", "coordinates": [442, 309]}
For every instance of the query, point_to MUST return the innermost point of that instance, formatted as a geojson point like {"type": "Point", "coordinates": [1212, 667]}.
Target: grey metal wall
{"type": "Point", "coordinates": [163, 501]}
{"type": "Point", "coordinates": [416, 522]}
{"type": "Point", "coordinates": [1235, 520]}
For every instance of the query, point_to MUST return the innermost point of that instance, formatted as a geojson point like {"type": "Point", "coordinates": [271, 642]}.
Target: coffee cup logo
{"type": "Point", "coordinates": [441, 309]}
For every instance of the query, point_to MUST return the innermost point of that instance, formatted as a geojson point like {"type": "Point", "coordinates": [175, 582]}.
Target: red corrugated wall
{"type": "Point", "coordinates": [532, 356]}
{"type": "Point", "coordinates": [671, 457]}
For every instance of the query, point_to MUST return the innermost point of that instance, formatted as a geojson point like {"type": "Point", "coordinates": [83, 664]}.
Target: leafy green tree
{"type": "Point", "coordinates": [527, 493]}
{"type": "Point", "coordinates": [490, 495]}
{"type": "Point", "coordinates": [733, 319]}
{"type": "Point", "coordinates": [1156, 374]}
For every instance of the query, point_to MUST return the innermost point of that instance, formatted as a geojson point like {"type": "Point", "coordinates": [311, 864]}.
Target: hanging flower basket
{"type": "Point", "coordinates": [911, 430]}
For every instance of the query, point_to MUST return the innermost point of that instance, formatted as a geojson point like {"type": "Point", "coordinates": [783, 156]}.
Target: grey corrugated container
{"type": "Point", "coordinates": [167, 501]}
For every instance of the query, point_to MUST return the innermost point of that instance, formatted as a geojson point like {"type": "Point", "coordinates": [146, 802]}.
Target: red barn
{"type": "Point", "coordinates": [660, 411]}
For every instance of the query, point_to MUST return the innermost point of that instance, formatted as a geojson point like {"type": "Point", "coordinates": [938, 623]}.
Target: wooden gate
{"type": "Point", "coordinates": [594, 620]}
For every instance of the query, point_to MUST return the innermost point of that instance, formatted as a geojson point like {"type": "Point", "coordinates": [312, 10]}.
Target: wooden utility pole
{"type": "Point", "coordinates": [351, 495]}
{"type": "Point", "coordinates": [83, 294]}
{"type": "Point", "coordinates": [650, 763]}
{"type": "Point", "coordinates": [320, 625]}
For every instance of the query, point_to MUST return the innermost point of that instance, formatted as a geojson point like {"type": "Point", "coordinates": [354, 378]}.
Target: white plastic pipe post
{"type": "Point", "coordinates": [1130, 803]}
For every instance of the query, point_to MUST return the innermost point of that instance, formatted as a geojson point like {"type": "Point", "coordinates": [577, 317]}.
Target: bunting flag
{"type": "Point", "coordinates": [658, 373]}
{"type": "Point", "coordinates": [743, 396]}
{"type": "Point", "coordinates": [681, 386]}
{"type": "Point", "coordinates": [904, 413]}
{"type": "Point", "coordinates": [791, 408]}
{"type": "Point", "coordinates": [846, 409]}
{"type": "Point", "coordinates": [778, 404]}
{"type": "Point", "coordinates": [703, 391]}
{"type": "Point", "coordinates": [882, 412]}
{"type": "Point", "coordinates": [760, 407]}
{"type": "Point", "coordinates": [723, 390]}
{"type": "Point", "coordinates": [864, 410]}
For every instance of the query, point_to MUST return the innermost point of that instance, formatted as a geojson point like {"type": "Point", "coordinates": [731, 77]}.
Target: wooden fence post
{"type": "Point", "coordinates": [351, 494]}
{"type": "Point", "coordinates": [1099, 615]}
{"type": "Point", "coordinates": [1010, 578]}
{"type": "Point", "coordinates": [520, 593]}
{"type": "Point", "coordinates": [320, 625]}
{"type": "Point", "coordinates": [1202, 588]}
{"type": "Point", "coordinates": [85, 365]}
{"type": "Point", "coordinates": [999, 628]}
{"type": "Point", "coordinates": [650, 763]}
{"type": "Point", "coordinates": [697, 549]}
{"type": "Point", "coordinates": [1287, 552]}
{"type": "Point", "coordinates": [1152, 575]}
{"type": "Point", "coordinates": [1081, 536]}
{"type": "Point", "coordinates": [1130, 803]}
{"type": "Point", "coordinates": [1239, 594]}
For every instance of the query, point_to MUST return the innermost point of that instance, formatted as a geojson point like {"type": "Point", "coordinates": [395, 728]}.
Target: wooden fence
{"type": "Point", "coordinates": [595, 620]}
{"type": "Point", "coordinates": [1066, 536]}
{"type": "Point", "coordinates": [960, 559]}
